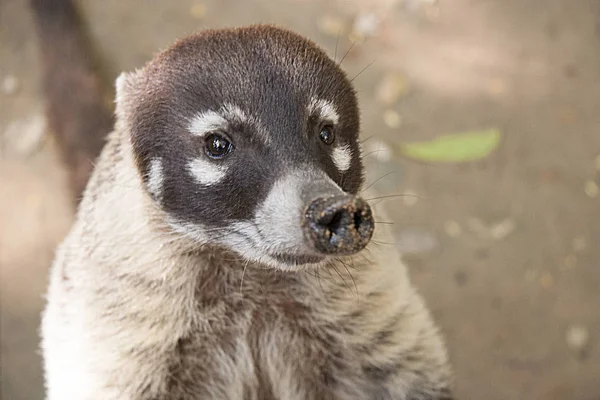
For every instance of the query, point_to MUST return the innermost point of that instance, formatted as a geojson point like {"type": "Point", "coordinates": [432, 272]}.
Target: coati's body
{"type": "Point", "coordinates": [175, 283]}
{"type": "Point", "coordinates": [142, 317]}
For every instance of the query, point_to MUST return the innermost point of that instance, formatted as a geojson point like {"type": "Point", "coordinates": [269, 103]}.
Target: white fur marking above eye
{"type": "Point", "coordinates": [155, 177]}
{"type": "Point", "coordinates": [325, 109]}
{"type": "Point", "coordinates": [342, 156]}
{"type": "Point", "coordinates": [206, 172]}
{"type": "Point", "coordinates": [206, 122]}
{"type": "Point", "coordinates": [234, 113]}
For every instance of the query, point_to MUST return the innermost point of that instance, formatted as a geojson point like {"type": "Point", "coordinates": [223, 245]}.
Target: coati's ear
{"type": "Point", "coordinates": [125, 89]}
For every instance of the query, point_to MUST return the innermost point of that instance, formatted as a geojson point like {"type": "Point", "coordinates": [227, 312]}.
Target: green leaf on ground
{"type": "Point", "coordinates": [458, 147]}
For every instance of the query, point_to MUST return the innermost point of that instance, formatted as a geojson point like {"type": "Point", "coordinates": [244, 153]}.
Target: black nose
{"type": "Point", "coordinates": [338, 224]}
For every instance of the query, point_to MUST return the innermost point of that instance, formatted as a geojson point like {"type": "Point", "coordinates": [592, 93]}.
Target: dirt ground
{"type": "Point", "coordinates": [505, 250]}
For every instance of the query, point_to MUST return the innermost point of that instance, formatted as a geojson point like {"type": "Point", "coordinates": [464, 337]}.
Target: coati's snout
{"type": "Point", "coordinates": [338, 224]}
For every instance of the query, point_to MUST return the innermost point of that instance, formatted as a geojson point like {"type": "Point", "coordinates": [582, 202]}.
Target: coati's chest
{"type": "Point", "coordinates": [270, 354]}
{"type": "Point", "coordinates": [270, 335]}
{"type": "Point", "coordinates": [277, 336]}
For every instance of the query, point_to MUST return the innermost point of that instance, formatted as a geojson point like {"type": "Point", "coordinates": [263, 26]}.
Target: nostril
{"type": "Point", "coordinates": [358, 220]}
{"type": "Point", "coordinates": [335, 225]}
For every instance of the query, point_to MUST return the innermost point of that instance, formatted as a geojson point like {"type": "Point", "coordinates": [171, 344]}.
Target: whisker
{"type": "Point", "coordinates": [380, 178]}
{"type": "Point", "coordinates": [318, 276]}
{"type": "Point", "coordinates": [377, 242]}
{"type": "Point", "coordinates": [347, 52]}
{"type": "Point", "coordinates": [373, 152]}
{"type": "Point", "coordinates": [336, 45]}
{"type": "Point", "coordinates": [243, 273]}
{"type": "Point", "coordinates": [368, 137]}
{"type": "Point", "coordinates": [340, 275]}
{"type": "Point", "coordinates": [340, 260]}
{"type": "Point", "coordinates": [362, 70]}
{"type": "Point", "coordinates": [319, 280]}
{"type": "Point", "coordinates": [351, 277]}
{"type": "Point", "coordinates": [394, 196]}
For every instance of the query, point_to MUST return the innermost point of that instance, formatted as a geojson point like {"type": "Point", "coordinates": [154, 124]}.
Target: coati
{"type": "Point", "coordinates": [222, 248]}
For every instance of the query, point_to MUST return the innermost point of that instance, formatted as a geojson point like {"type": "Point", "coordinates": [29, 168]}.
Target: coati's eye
{"type": "Point", "coordinates": [327, 134]}
{"type": "Point", "coordinates": [217, 146]}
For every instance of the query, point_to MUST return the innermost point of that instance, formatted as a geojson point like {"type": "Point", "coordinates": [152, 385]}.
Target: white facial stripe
{"type": "Point", "coordinates": [279, 216]}
{"type": "Point", "coordinates": [325, 109]}
{"type": "Point", "coordinates": [280, 212]}
{"type": "Point", "coordinates": [205, 172]}
{"type": "Point", "coordinates": [155, 177]}
{"type": "Point", "coordinates": [206, 122]}
{"type": "Point", "coordinates": [342, 156]}
{"type": "Point", "coordinates": [238, 240]}
{"type": "Point", "coordinates": [211, 120]}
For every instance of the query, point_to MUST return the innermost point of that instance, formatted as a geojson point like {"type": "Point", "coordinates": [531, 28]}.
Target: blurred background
{"type": "Point", "coordinates": [499, 226]}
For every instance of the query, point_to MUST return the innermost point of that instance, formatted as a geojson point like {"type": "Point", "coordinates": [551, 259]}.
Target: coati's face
{"type": "Point", "coordinates": [248, 138]}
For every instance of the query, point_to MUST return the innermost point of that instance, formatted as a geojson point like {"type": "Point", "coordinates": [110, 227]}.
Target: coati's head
{"type": "Point", "coordinates": [248, 138]}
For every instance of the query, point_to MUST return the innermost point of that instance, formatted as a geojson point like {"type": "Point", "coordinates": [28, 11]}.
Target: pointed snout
{"type": "Point", "coordinates": [340, 224]}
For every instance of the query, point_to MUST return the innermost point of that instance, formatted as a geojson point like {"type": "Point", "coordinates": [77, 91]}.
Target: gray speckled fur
{"type": "Point", "coordinates": [136, 311]}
